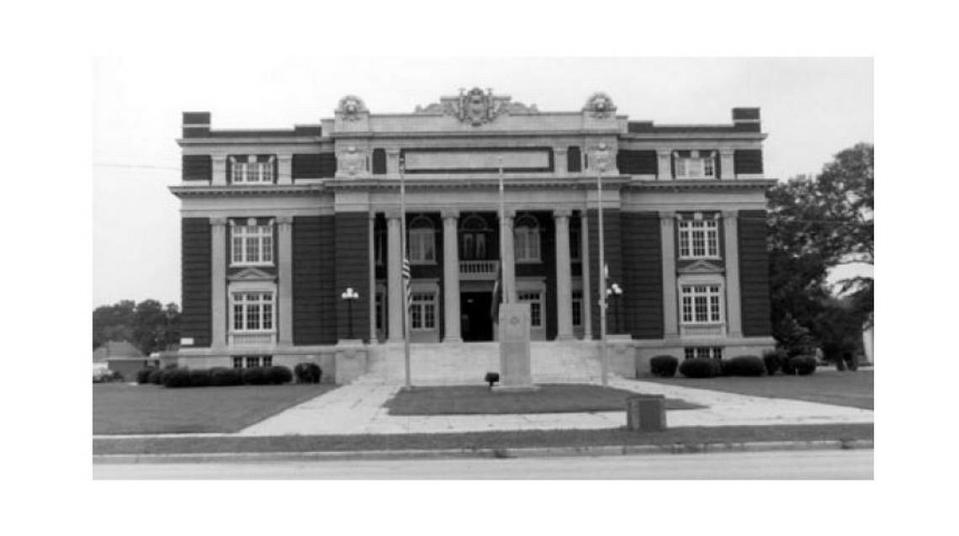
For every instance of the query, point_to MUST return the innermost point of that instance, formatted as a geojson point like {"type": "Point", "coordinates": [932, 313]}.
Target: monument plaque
{"type": "Point", "coordinates": [514, 356]}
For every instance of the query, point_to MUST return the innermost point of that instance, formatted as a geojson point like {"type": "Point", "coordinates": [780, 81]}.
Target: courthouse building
{"type": "Point", "coordinates": [277, 224]}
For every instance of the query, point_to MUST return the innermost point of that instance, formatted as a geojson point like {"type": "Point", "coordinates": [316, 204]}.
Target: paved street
{"type": "Point", "coordinates": [826, 464]}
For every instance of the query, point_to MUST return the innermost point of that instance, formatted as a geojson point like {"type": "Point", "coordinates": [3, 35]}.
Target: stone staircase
{"type": "Point", "coordinates": [468, 363]}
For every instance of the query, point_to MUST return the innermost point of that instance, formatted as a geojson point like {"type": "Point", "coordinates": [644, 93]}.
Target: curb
{"type": "Point", "coordinates": [533, 452]}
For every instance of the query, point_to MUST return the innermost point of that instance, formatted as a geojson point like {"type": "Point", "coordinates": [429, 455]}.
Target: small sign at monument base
{"type": "Point", "coordinates": [514, 352]}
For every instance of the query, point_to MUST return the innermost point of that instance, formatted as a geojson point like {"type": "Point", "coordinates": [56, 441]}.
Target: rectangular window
{"type": "Point", "coordinates": [423, 311]}
{"type": "Point", "coordinates": [422, 246]}
{"type": "Point", "coordinates": [701, 304]}
{"type": "Point", "coordinates": [252, 312]}
{"type": "Point", "coordinates": [252, 243]}
{"type": "Point", "coordinates": [237, 362]}
{"type": "Point", "coordinates": [696, 166]}
{"type": "Point", "coordinates": [698, 239]}
{"type": "Point", "coordinates": [252, 361]}
{"type": "Point", "coordinates": [703, 352]}
{"type": "Point", "coordinates": [267, 361]}
{"type": "Point", "coordinates": [535, 301]}
{"type": "Point", "coordinates": [252, 169]}
{"type": "Point", "coordinates": [577, 308]}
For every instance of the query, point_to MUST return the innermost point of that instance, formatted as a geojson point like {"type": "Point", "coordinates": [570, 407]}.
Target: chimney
{"type": "Point", "coordinates": [746, 119]}
{"type": "Point", "coordinates": [196, 124]}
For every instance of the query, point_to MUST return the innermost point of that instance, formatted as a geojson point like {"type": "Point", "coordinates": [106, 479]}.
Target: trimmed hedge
{"type": "Point", "coordinates": [745, 365]}
{"type": "Point", "coordinates": [307, 373]}
{"type": "Point", "coordinates": [143, 375]}
{"type": "Point", "coordinates": [156, 376]}
{"type": "Point", "coordinates": [255, 376]}
{"type": "Point", "coordinates": [802, 365]}
{"type": "Point", "coordinates": [200, 378]}
{"type": "Point", "coordinates": [222, 376]}
{"type": "Point", "coordinates": [663, 366]}
{"type": "Point", "coordinates": [700, 367]}
{"type": "Point", "coordinates": [278, 375]}
{"type": "Point", "coordinates": [774, 359]}
{"type": "Point", "coordinates": [177, 378]}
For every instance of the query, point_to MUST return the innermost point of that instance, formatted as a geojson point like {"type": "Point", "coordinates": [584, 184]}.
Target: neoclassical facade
{"type": "Point", "coordinates": [278, 224]}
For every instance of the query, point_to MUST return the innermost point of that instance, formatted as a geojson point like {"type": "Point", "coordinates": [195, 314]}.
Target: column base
{"type": "Point", "coordinates": [565, 337]}
{"type": "Point", "coordinates": [452, 339]}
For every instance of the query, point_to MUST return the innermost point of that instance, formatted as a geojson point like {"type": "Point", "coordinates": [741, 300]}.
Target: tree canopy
{"type": "Point", "coordinates": [148, 325]}
{"type": "Point", "coordinates": [817, 224]}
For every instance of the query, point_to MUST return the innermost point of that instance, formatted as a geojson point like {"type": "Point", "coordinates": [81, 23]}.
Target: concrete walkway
{"type": "Point", "coordinates": [357, 409]}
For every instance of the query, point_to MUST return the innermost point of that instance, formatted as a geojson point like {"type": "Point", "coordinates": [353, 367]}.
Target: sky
{"type": "Point", "coordinates": [811, 108]}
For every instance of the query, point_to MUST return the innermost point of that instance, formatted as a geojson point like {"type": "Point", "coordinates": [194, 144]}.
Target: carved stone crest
{"type": "Point", "coordinates": [352, 162]}
{"type": "Point", "coordinates": [601, 157]}
{"type": "Point", "coordinates": [476, 107]}
{"type": "Point", "coordinates": [351, 107]}
{"type": "Point", "coordinates": [599, 105]}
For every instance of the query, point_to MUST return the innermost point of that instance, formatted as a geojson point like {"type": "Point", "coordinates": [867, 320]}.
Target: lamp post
{"type": "Point", "coordinates": [350, 296]}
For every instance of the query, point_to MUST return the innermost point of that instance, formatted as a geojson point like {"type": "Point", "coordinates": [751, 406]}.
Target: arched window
{"type": "Point", "coordinates": [526, 240]}
{"type": "Point", "coordinates": [422, 241]}
{"type": "Point", "coordinates": [474, 238]}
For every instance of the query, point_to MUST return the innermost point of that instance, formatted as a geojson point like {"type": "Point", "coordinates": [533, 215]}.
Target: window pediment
{"type": "Point", "coordinates": [251, 274]}
{"type": "Point", "coordinates": [701, 267]}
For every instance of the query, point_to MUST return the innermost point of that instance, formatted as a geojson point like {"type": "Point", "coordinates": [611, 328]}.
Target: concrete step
{"type": "Point", "coordinates": [459, 363]}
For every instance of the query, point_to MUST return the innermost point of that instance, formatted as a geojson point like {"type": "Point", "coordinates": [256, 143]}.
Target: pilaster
{"type": "Point", "coordinates": [284, 169]}
{"type": "Point", "coordinates": [371, 292]}
{"type": "Point", "coordinates": [218, 170]}
{"type": "Point", "coordinates": [560, 163]}
{"type": "Point", "coordinates": [451, 277]}
{"type": "Point", "coordinates": [734, 319]}
{"type": "Point", "coordinates": [727, 164]}
{"type": "Point", "coordinates": [664, 159]}
{"type": "Point", "coordinates": [564, 294]}
{"type": "Point", "coordinates": [285, 283]}
{"type": "Point", "coordinates": [392, 162]}
{"type": "Point", "coordinates": [587, 296]}
{"type": "Point", "coordinates": [218, 282]}
{"type": "Point", "coordinates": [394, 276]}
{"type": "Point", "coordinates": [667, 222]}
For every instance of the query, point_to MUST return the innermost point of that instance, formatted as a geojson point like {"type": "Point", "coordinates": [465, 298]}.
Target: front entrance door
{"type": "Point", "coordinates": [476, 324]}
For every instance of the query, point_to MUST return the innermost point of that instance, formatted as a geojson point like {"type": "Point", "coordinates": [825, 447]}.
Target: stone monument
{"type": "Point", "coordinates": [514, 356]}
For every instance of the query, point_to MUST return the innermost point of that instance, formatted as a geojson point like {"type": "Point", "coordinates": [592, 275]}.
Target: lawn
{"type": "Point", "coordinates": [152, 409]}
{"type": "Point", "coordinates": [479, 400]}
{"type": "Point", "coordinates": [688, 438]}
{"type": "Point", "coordinates": [853, 389]}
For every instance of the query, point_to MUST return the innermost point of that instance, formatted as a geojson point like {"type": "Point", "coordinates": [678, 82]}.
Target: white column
{"type": "Point", "coordinates": [284, 173]}
{"type": "Point", "coordinates": [734, 319]}
{"type": "Point", "coordinates": [564, 293]}
{"type": "Point", "coordinates": [665, 169]}
{"type": "Point", "coordinates": [727, 164]}
{"type": "Point", "coordinates": [670, 317]}
{"type": "Point", "coordinates": [587, 296]}
{"type": "Point", "coordinates": [509, 257]}
{"type": "Point", "coordinates": [218, 282]}
{"type": "Point", "coordinates": [285, 283]}
{"type": "Point", "coordinates": [451, 277]}
{"type": "Point", "coordinates": [394, 277]}
{"type": "Point", "coordinates": [218, 170]}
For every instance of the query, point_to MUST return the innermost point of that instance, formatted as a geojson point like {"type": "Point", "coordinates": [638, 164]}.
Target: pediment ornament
{"type": "Point", "coordinates": [476, 107]}
{"type": "Point", "coordinates": [701, 266]}
{"type": "Point", "coordinates": [251, 274]}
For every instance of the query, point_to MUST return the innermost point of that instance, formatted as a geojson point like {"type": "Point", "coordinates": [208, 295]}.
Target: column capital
{"type": "Point", "coordinates": [667, 215]}
{"type": "Point", "coordinates": [450, 214]}
{"type": "Point", "coordinates": [562, 213]}
{"type": "Point", "coordinates": [284, 220]}
{"type": "Point", "coordinates": [730, 214]}
{"type": "Point", "coordinates": [218, 221]}
{"type": "Point", "coordinates": [393, 151]}
{"type": "Point", "coordinates": [664, 152]}
{"type": "Point", "coordinates": [560, 150]}
{"type": "Point", "coordinates": [393, 214]}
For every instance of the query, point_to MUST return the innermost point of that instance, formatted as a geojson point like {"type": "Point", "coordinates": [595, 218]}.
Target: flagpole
{"type": "Point", "coordinates": [403, 254]}
{"type": "Point", "coordinates": [602, 274]}
{"type": "Point", "coordinates": [502, 232]}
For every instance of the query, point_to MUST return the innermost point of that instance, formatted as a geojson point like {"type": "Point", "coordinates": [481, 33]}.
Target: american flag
{"type": "Point", "coordinates": [407, 278]}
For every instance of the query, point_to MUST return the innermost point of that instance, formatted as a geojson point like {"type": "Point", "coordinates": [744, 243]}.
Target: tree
{"type": "Point", "coordinates": [817, 224]}
{"type": "Point", "coordinates": [148, 325]}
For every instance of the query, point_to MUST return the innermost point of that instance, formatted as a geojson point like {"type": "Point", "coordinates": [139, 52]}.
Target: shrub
{"type": "Point", "coordinates": [744, 365]}
{"type": "Point", "coordinates": [663, 366]}
{"type": "Point", "coordinates": [802, 365]}
{"type": "Point", "coordinates": [774, 359]}
{"type": "Point", "coordinates": [491, 378]}
{"type": "Point", "coordinates": [200, 378]}
{"type": "Point", "coordinates": [177, 378]}
{"type": "Point", "coordinates": [278, 375]}
{"type": "Point", "coordinates": [221, 376]}
{"type": "Point", "coordinates": [307, 373]}
{"type": "Point", "coordinates": [156, 376]}
{"type": "Point", "coordinates": [143, 375]}
{"type": "Point", "coordinates": [255, 376]}
{"type": "Point", "coordinates": [700, 367]}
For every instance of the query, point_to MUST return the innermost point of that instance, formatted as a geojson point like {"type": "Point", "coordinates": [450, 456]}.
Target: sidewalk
{"type": "Point", "coordinates": [357, 409]}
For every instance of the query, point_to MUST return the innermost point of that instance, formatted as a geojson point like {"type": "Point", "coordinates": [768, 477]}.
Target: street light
{"type": "Point", "coordinates": [601, 158]}
{"type": "Point", "coordinates": [350, 296]}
